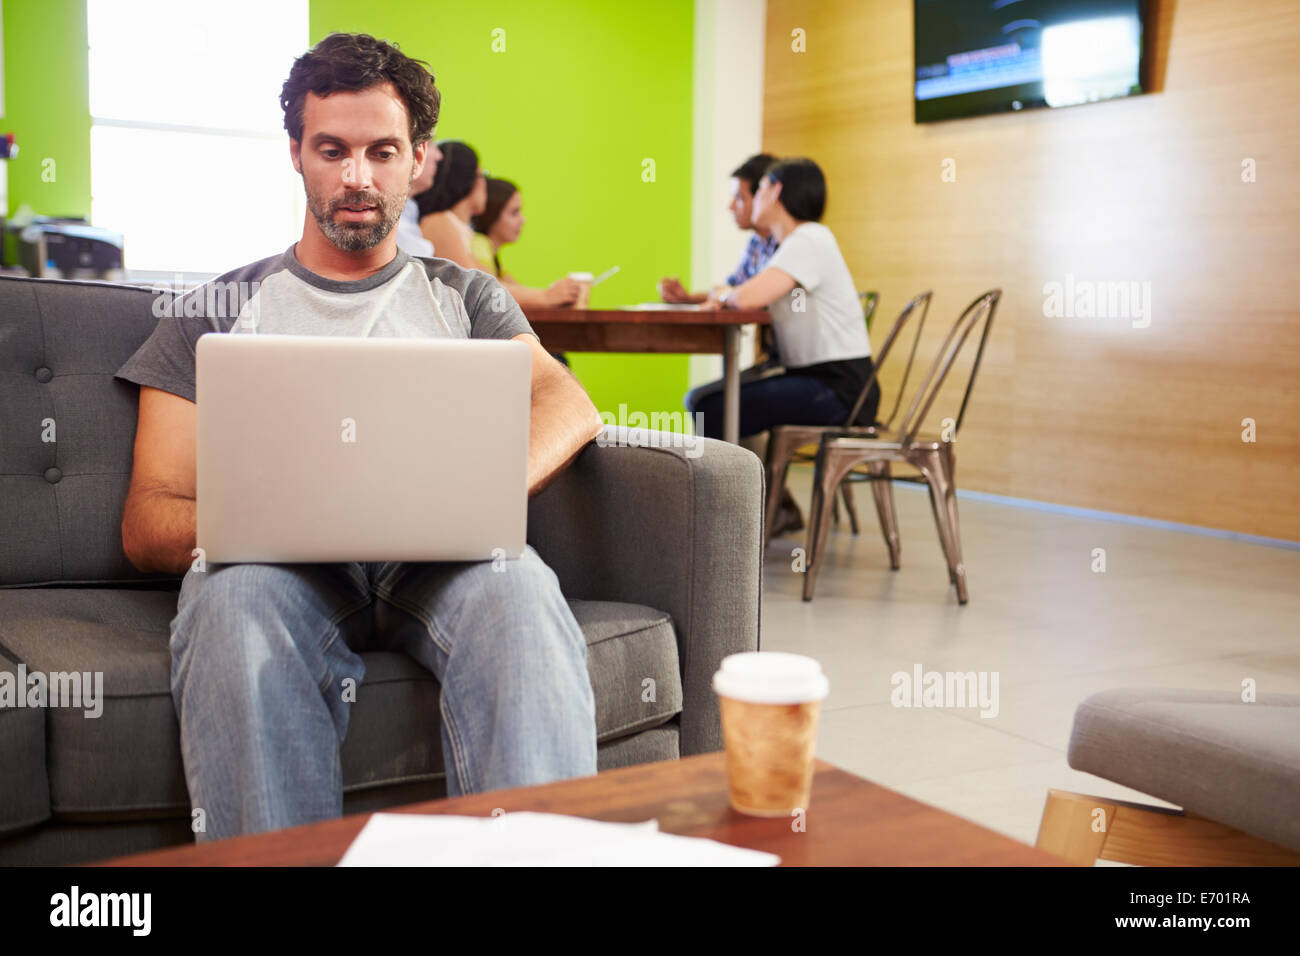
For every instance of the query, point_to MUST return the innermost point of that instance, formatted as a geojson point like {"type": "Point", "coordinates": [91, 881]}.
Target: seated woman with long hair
{"type": "Point", "coordinates": [499, 224]}
{"type": "Point", "coordinates": [459, 191]}
{"type": "Point", "coordinates": [816, 316]}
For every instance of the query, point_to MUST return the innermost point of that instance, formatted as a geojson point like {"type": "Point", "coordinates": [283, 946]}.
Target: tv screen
{"type": "Point", "coordinates": [988, 56]}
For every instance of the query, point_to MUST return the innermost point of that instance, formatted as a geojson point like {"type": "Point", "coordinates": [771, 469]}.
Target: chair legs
{"type": "Point", "coordinates": [776, 465]}
{"type": "Point", "coordinates": [939, 468]}
{"type": "Point", "coordinates": [937, 465]}
{"type": "Point", "coordinates": [782, 443]}
{"type": "Point", "coordinates": [846, 492]}
{"type": "Point", "coordinates": [882, 489]}
{"type": "Point", "coordinates": [827, 477]}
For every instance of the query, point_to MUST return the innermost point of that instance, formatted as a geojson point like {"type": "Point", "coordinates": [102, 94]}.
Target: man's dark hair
{"type": "Point", "coordinates": [751, 170]}
{"type": "Point", "coordinates": [803, 188]}
{"type": "Point", "coordinates": [454, 179]}
{"type": "Point", "coordinates": [357, 61]}
{"type": "Point", "coordinates": [499, 192]}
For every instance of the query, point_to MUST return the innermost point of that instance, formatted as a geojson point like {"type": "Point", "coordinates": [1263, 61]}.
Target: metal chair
{"type": "Point", "coordinates": [784, 441]}
{"type": "Point", "coordinates": [841, 452]}
{"type": "Point", "coordinates": [784, 444]}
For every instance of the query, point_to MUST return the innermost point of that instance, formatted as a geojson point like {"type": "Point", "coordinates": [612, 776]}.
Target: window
{"type": "Point", "coordinates": [189, 157]}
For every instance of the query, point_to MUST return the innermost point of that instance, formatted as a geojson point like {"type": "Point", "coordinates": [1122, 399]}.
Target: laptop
{"type": "Point", "coordinates": [331, 448]}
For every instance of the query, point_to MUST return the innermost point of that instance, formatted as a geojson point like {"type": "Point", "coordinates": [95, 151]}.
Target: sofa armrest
{"type": "Point", "coordinates": [638, 519]}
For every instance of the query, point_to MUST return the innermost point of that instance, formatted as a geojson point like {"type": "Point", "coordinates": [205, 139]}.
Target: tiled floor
{"type": "Point", "coordinates": [1171, 609]}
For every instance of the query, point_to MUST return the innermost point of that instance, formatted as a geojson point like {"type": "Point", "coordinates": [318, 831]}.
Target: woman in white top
{"type": "Point", "coordinates": [817, 318]}
{"type": "Point", "coordinates": [816, 315]}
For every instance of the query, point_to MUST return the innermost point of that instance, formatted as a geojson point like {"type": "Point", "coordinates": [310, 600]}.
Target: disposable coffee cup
{"type": "Point", "coordinates": [584, 280]}
{"type": "Point", "coordinates": [770, 703]}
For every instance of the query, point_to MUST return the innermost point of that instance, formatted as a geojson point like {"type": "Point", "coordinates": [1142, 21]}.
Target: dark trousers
{"type": "Point", "coordinates": [786, 399]}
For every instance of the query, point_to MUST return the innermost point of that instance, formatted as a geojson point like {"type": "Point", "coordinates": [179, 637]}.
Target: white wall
{"type": "Point", "coordinates": [728, 128]}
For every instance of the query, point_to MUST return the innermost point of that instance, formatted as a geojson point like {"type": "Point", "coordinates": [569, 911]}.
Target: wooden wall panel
{"type": "Point", "coordinates": [1086, 412]}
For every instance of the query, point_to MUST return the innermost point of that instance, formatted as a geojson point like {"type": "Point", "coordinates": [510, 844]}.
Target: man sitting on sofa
{"type": "Point", "coordinates": [261, 654]}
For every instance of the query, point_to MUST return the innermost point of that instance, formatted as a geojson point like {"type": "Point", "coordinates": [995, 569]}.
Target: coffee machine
{"type": "Point", "coordinates": [51, 247]}
{"type": "Point", "coordinates": [55, 248]}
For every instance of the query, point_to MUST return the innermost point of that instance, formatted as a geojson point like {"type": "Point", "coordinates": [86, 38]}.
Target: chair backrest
{"type": "Point", "coordinates": [922, 302]}
{"type": "Point", "coordinates": [981, 310]}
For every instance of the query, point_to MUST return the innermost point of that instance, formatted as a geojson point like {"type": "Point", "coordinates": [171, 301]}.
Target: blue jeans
{"type": "Point", "coordinates": [261, 654]}
{"type": "Point", "coordinates": [780, 400]}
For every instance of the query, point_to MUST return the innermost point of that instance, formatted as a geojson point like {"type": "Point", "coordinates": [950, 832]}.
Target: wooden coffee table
{"type": "Point", "coordinates": [851, 822]}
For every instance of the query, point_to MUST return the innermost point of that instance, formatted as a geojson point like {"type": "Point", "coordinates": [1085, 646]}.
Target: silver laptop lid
{"type": "Point", "coordinates": [323, 448]}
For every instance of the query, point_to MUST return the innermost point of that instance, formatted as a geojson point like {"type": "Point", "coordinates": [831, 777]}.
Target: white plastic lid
{"type": "Point", "coordinates": [771, 677]}
{"type": "Point", "coordinates": [583, 276]}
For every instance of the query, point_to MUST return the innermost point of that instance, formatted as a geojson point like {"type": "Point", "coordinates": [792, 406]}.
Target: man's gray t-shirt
{"type": "Point", "coordinates": [408, 298]}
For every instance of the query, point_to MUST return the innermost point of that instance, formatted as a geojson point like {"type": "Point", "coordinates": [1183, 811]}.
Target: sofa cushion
{"type": "Point", "coordinates": [632, 661]}
{"type": "Point", "coordinates": [1209, 752]}
{"type": "Point", "coordinates": [68, 427]}
{"type": "Point", "coordinates": [127, 758]}
{"type": "Point", "coordinates": [127, 762]}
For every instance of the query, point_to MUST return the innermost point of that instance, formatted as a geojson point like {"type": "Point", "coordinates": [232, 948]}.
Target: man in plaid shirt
{"type": "Point", "coordinates": [757, 251]}
{"type": "Point", "coordinates": [761, 245]}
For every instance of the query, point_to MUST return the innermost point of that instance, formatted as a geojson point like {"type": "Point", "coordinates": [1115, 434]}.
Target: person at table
{"type": "Point", "coordinates": [409, 237]}
{"type": "Point", "coordinates": [744, 183]}
{"type": "Point", "coordinates": [459, 191]}
{"type": "Point", "coordinates": [499, 224]}
{"type": "Point", "coordinates": [816, 317]}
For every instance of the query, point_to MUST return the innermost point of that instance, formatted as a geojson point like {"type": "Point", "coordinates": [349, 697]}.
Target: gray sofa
{"type": "Point", "coordinates": [658, 552]}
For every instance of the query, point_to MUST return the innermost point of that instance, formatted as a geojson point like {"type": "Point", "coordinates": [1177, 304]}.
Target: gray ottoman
{"type": "Point", "coordinates": [1209, 752]}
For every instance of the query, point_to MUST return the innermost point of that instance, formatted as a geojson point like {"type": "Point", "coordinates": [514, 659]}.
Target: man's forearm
{"type": "Point", "coordinates": [159, 532]}
{"type": "Point", "coordinates": [563, 422]}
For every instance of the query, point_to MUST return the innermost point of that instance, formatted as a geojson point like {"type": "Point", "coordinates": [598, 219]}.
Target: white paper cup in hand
{"type": "Point", "coordinates": [584, 280]}
{"type": "Point", "coordinates": [769, 703]}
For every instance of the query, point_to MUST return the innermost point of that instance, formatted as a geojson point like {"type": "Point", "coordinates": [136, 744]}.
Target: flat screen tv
{"type": "Point", "coordinates": [990, 56]}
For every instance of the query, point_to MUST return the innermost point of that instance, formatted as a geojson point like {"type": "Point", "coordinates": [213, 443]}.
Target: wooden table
{"type": "Point", "coordinates": [695, 331]}
{"type": "Point", "coordinates": [850, 822]}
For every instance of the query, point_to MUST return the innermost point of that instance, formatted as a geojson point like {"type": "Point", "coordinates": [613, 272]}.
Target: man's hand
{"type": "Point", "coordinates": [671, 290]}
{"type": "Point", "coordinates": [563, 419]}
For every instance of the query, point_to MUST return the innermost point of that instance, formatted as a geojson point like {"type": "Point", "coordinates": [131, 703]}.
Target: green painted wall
{"type": "Point", "coordinates": [47, 106]}
{"type": "Point", "coordinates": [584, 91]}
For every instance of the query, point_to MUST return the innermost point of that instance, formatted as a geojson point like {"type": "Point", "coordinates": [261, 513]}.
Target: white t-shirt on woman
{"type": "Point", "coordinates": [821, 319]}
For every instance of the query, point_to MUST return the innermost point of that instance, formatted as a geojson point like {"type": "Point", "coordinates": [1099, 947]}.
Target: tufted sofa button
{"type": "Point", "coordinates": [52, 475]}
{"type": "Point", "coordinates": [43, 375]}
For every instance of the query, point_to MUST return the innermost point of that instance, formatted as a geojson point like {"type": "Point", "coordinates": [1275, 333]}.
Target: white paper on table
{"type": "Point", "coordinates": [533, 839]}
{"type": "Point", "coordinates": [662, 307]}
